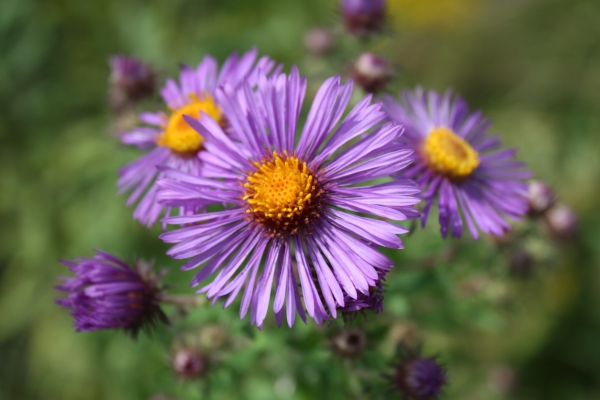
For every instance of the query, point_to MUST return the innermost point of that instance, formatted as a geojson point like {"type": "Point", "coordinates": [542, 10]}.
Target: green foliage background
{"type": "Point", "coordinates": [533, 66]}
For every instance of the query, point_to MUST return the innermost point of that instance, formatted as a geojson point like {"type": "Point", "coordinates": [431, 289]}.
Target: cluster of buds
{"type": "Point", "coordinates": [560, 219]}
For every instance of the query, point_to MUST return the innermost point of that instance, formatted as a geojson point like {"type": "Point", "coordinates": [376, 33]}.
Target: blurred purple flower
{"type": "Point", "coordinates": [169, 140]}
{"type": "Point", "coordinates": [131, 80]}
{"type": "Point", "coordinates": [363, 17]}
{"type": "Point", "coordinates": [107, 293]}
{"type": "Point", "coordinates": [291, 202]}
{"type": "Point", "coordinates": [457, 163]}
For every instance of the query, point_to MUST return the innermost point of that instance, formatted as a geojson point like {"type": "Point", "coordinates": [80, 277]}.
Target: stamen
{"type": "Point", "coordinates": [178, 135]}
{"type": "Point", "coordinates": [283, 194]}
{"type": "Point", "coordinates": [448, 154]}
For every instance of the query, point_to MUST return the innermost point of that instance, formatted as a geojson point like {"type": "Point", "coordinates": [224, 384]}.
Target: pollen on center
{"type": "Point", "coordinates": [448, 154]}
{"type": "Point", "coordinates": [283, 194]}
{"type": "Point", "coordinates": [178, 135]}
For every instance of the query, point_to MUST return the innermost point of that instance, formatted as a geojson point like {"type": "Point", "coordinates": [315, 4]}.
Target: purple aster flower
{"type": "Point", "coordinates": [107, 293]}
{"type": "Point", "coordinates": [168, 140]}
{"type": "Point", "coordinates": [363, 17]}
{"type": "Point", "coordinates": [291, 200]}
{"type": "Point", "coordinates": [457, 163]}
{"type": "Point", "coordinates": [417, 377]}
{"type": "Point", "coordinates": [131, 80]}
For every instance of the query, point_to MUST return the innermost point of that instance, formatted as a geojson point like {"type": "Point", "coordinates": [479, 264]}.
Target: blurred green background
{"type": "Point", "coordinates": [533, 66]}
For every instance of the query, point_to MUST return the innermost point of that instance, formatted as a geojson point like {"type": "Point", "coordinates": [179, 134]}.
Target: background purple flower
{"type": "Point", "coordinates": [107, 293]}
{"type": "Point", "coordinates": [168, 140]}
{"type": "Point", "coordinates": [456, 163]}
{"type": "Point", "coordinates": [291, 208]}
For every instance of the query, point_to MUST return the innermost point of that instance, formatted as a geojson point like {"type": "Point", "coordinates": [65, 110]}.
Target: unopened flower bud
{"type": "Point", "coordinates": [561, 221]}
{"type": "Point", "coordinates": [371, 72]}
{"type": "Point", "coordinates": [189, 362]}
{"type": "Point", "coordinates": [363, 17]}
{"type": "Point", "coordinates": [131, 80]}
{"type": "Point", "coordinates": [349, 342]}
{"type": "Point", "coordinates": [417, 377]}
{"type": "Point", "coordinates": [318, 41]}
{"type": "Point", "coordinates": [371, 301]}
{"type": "Point", "coordinates": [108, 293]}
{"type": "Point", "coordinates": [541, 197]}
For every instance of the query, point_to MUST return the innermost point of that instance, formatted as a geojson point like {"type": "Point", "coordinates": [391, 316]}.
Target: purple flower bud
{"type": "Point", "coordinates": [371, 72]}
{"type": "Point", "coordinates": [349, 342]}
{"type": "Point", "coordinates": [561, 222]}
{"type": "Point", "coordinates": [131, 80]}
{"type": "Point", "coordinates": [372, 301]}
{"type": "Point", "coordinates": [541, 197]}
{"type": "Point", "coordinates": [107, 293]}
{"type": "Point", "coordinates": [189, 363]}
{"type": "Point", "coordinates": [318, 41]}
{"type": "Point", "coordinates": [363, 17]}
{"type": "Point", "coordinates": [417, 377]}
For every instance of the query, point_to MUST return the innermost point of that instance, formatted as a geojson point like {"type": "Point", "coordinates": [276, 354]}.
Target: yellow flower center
{"type": "Point", "coordinates": [283, 194]}
{"type": "Point", "coordinates": [178, 135]}
{"type": "Point", "coordinates": [448, 154]}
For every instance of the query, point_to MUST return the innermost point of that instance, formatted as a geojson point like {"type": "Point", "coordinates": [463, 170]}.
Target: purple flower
{"type": "Point", "coordinates": [291, 200]}
{"type": "Point", "coordinates": [107, 293]}
{"type": "Point", "coordinates": [417, 377]}
{"type": "Point", "coordinates": [363, 17]}
{"type": "Point", "coordinates": [131, 80]}
{"type": "Point", "coordinates": [168, 139]}
{"type": "Point", "coordinates": [457, 163]}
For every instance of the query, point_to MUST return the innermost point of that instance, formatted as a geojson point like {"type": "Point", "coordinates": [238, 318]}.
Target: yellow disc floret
{"type": "Point", "coordinates": [448, 154]}
{"type": "Point", "coordinates": [178, 135]}
{"type": "Point", "coordinates": [283, 194]}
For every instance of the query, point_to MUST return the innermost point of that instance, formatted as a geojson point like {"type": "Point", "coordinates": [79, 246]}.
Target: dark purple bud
{"type": "Point", "coordinates": [419, 378]}
{"type": "Point", "coordinates": [371, 72]}
{"type": "Point", "coordinates": [541, 197]}
{"type": "Point", "coordinates": [349, 342]}
{"type": "Point", "coordinates": [189, 363]}
{"type": "Point", "coordinates": [318, 41]}
{"type": "Point", "coordinates": [561, 221]}
{"type": "Point", "coordinates": [372, 301]}
{"type": "Point", "coordinates": [131, 80]}
{"type": "Point", "coordinates": [363, 17]}
{"type": "Point", "coordinates": [107, 293]}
